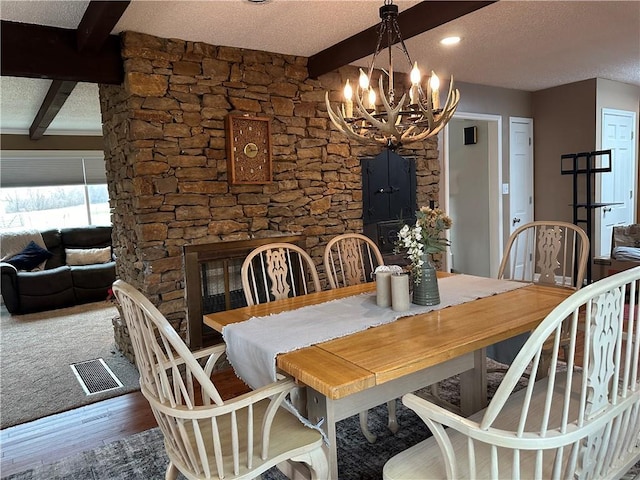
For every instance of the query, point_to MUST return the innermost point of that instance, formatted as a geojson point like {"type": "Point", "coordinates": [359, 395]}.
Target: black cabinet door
{"type": "Point", "coordinates": [389, 187]}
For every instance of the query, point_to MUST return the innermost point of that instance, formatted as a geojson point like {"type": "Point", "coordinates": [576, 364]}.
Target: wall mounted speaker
{"type": "Point", "coordinates": [470, 135]}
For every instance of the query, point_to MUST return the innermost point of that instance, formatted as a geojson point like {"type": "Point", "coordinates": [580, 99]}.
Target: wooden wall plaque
{"type": "Point", "coordinates": [248, 149]}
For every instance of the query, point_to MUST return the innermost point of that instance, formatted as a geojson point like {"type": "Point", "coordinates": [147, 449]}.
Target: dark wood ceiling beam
{"type": "Point", "coordinates": [38, 51]}
{"type": "Point", "coordinates": [58, 93]}
{"type": "Point", "coordinates": [413, 21]}
{"type": "Point", "coordinates": [97, 23]}
{"type": "Point", "coordinates": [95, 27]}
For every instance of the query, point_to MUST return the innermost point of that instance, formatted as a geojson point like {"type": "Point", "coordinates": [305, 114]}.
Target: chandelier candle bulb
{"type": "Point", "coordinates": [414, 93]}
{"type": "Point", "coordinates": [372, 99]}
{"type": "Point", "coordinates": [363, 80]}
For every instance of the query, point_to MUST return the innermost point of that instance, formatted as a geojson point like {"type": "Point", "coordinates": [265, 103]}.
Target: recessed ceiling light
{"type": "Point", "coordinates": [450, 40]}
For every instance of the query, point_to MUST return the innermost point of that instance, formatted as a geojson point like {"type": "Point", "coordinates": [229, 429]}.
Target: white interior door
{"type": "Point", "coordinates": [520, 186]}
{"type": "Point", "coordinates": [618, 186]}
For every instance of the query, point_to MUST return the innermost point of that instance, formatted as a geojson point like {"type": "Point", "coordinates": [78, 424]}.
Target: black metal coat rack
{"type": "Point", "coordinates": [584, 163]}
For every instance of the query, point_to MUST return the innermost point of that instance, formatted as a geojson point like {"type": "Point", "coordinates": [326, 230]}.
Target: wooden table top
{"type": "Point", "coordinates": [346, 365]}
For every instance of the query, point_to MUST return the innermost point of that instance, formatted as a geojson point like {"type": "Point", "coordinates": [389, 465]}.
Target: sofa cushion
{"type": "Point", "coordinates": [45, 290]}
{"type": "Point", "coordinates": [12, 242]}
{"type": "Point", "coordinates": [45, 282]}
{"type": "Point", "coordinates": [53, 241]}
{"type": "Point", "coordinates": [91, 283]}
{"type": "Point", "coordinates": [87, 256]}
{"type": "Point", "coordinates": [86, 237]}
{"type": "Point", "coordinates": [30, 257]}
{"type": "Point", "coordinates": [627, 253]}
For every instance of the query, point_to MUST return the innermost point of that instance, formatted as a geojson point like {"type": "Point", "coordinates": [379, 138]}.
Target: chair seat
{"type": "Point", "coordinates": [424, 460]}
{"type": "Point", "coordinates": [290, 433]}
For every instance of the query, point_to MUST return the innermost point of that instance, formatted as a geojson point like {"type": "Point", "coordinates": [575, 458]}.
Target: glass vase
{"type": "Point", "coordinates": [426, 292]}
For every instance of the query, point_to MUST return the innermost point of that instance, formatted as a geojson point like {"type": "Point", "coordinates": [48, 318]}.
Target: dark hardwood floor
{"type": "Point", "coordinates": [50, 439]}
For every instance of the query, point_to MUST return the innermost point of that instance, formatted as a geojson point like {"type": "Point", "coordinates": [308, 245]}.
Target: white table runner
{"type": "Point", "coordinates": [253, 345]}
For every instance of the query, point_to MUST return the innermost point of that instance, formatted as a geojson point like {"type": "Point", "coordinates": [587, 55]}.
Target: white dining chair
{"type": "Point", "coordinates": [276, 271]}
{"type": "Point", "coordinates": [550, 253]}
{"type": "Point", "coordinates": [581, 420]}
{"type": "Point", "coordinates": [546, 252]}
{"type": "Point", "coordinates": [350, 259]}
{"type": "Point", "coordinates": [204, 436]}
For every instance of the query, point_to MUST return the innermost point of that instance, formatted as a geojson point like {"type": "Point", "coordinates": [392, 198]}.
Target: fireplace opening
{"type": "Point", "coordinates": [213, 282]}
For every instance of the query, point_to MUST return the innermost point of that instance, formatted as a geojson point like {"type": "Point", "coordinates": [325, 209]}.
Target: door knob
{"type": "Point", "coordinates": [515, 220]}
{"type": "Point", "coordinates": [606, 209]}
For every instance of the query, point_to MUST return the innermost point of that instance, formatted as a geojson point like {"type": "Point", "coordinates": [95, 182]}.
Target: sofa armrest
{"type": "Point", "coordinates": [9, 287]}
{"type": "Point", "coordinates": [607, 266]}
{"type": "Point", "coordinates": [8, 269]}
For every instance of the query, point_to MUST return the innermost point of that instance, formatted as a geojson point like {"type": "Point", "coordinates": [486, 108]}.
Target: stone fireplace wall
{"type": "Point", "coordinates": [166, 159]}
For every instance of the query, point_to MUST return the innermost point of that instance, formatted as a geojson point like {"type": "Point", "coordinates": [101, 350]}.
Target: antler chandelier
{"type": "Point", "coordinates": [402, 122]}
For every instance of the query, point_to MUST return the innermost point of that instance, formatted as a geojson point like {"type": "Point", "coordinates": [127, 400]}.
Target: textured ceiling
{"type": "Point", "coordinates": [526, 45]}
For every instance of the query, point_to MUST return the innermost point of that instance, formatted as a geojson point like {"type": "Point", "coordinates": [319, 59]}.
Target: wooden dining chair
{"type": "Point", "coordinates": [351, 259]}
{"type": "Point", "coordinates": [545, 252]}
{"type": "Point", "coordinates": [204, 436]}
{"type": "Point", "coordinates": [276, 271]}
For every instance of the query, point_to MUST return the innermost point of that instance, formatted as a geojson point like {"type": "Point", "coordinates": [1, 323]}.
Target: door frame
{"type": "Point", "coordinates": [495, 181]}
{"type": "Point", "coordinates": [597, 223]}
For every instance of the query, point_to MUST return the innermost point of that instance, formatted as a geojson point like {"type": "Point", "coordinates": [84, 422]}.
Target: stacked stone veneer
{"type": "Point", "coordinates": [166, 158]}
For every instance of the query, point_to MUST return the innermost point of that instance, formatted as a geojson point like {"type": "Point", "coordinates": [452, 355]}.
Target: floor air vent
{"type": "Point", "coordinates": [95, 376]}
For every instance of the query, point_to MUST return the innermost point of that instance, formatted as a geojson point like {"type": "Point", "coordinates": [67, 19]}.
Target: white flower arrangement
{"type": "Point", "coordinates": [425, 237]}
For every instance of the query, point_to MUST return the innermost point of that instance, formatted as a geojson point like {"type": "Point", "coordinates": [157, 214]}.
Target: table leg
{"type": "Point", "coordinates": [473, 385]}
{"type": "Point", "coordinates": [318, 408]}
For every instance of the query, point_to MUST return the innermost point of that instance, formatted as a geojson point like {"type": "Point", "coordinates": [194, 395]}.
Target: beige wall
{"type": "Point", "coordinates": [497, 101]}
{"type": "Point", "coordinates": [469, 199]}
{"type": "Point", "coordinates": [563, 123]}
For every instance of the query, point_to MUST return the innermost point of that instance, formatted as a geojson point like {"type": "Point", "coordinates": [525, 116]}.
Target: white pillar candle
{"type": "Point", "coordinates": [383, 289]}
{"type": "Point", "coordinates": [400, 301]}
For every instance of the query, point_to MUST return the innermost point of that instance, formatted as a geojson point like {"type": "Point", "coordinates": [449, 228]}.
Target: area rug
{"type": "Point", "coordinates": [142, 456]}
{"type": "Point", "coordinates": [36, 351]}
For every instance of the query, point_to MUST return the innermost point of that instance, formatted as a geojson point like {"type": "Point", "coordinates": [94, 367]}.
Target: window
{"type": "Point", "coordinates": [44, 190]}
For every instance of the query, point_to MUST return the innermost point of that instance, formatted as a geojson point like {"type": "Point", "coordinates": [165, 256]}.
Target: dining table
{"type": "Point", "coordinates": [346, 375]}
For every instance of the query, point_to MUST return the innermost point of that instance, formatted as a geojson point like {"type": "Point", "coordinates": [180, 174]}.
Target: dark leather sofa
{"type": "Point", "coordinates": [58, 284]}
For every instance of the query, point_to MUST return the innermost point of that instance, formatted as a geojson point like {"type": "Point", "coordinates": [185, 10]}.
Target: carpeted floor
{"type": "Point", "coordinates": [36, 351]}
